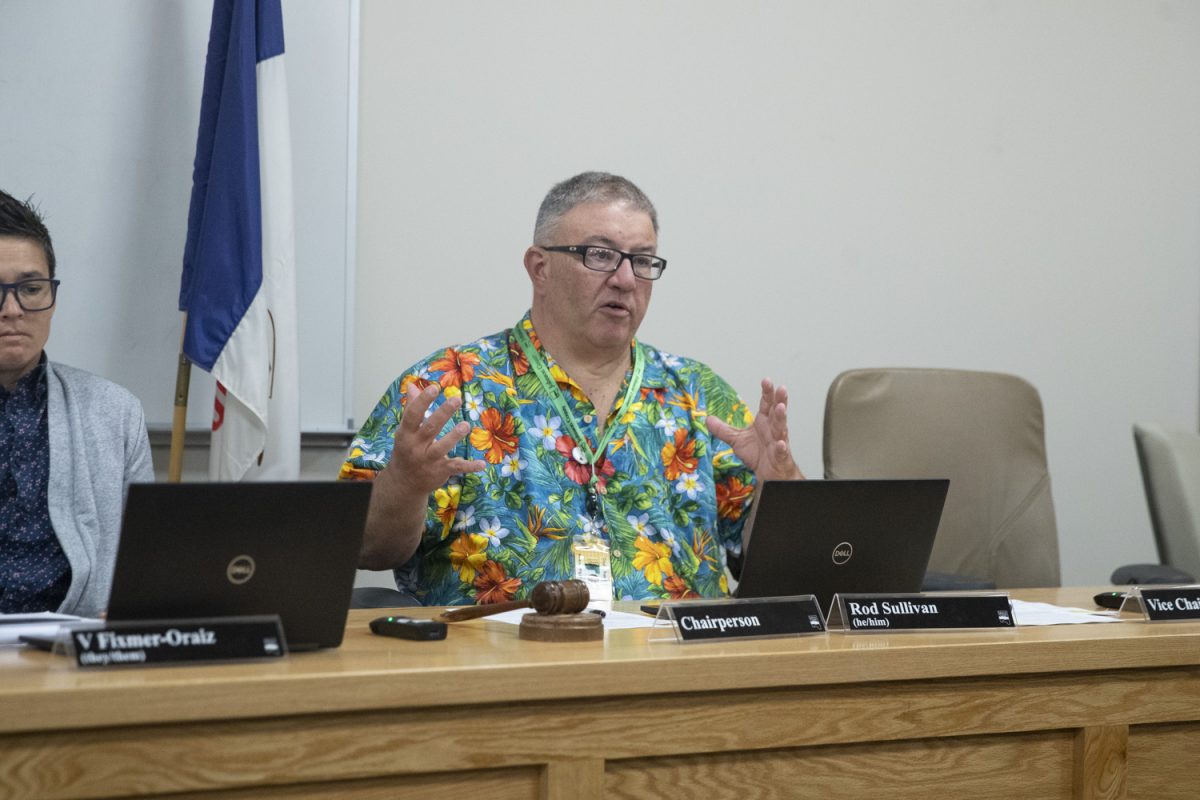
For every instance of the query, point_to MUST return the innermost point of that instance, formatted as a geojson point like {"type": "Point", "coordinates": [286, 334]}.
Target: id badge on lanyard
{"type": "Point", "coordinates": [592, 564]}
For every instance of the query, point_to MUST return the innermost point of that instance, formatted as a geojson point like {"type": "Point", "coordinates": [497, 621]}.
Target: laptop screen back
{"type": "Point", "coordinates": [225, 549]}
{"type": "Point", "coordinates": [840, 536]}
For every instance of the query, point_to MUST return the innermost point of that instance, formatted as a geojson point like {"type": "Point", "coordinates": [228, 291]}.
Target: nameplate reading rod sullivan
{"type": "Point", "coordinates": [876, 612]}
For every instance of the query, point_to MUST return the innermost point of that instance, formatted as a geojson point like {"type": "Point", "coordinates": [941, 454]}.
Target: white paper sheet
{"type": "Point", "coordinates": [43, 623]}
{"type": "Point", "coordinates": [1046, 614]}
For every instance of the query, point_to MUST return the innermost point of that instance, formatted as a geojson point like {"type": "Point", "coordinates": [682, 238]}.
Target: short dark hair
{"type": "Point", "coordinates": [587, 187]}
{"type": "Point", "coordinates": [22, 221]}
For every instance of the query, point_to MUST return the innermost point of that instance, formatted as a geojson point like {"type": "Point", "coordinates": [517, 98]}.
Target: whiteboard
{"type": "Point", "coordinates": [102, 102]}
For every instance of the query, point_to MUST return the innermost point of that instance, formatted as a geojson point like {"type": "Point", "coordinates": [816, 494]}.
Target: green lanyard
{"type": "Point", "coordinates": [538, 364]}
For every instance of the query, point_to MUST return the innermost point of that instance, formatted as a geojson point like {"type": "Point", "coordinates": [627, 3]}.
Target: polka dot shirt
{"type": "Point", "coordinates": [34, 571]}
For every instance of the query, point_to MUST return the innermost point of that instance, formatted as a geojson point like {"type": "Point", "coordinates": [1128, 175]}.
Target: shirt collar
{"type": "Point", "coordinates": [654, 376]}
{"type": "Point", "coordinates": [31, 387]}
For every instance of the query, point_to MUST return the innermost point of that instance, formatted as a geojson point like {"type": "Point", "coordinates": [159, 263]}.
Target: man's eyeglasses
{"type": "Point", "coordinates": [35, 294]}
{"type": "Point", "coordinates": [606, 259]}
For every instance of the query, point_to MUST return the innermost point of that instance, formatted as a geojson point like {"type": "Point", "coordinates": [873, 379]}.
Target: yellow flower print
{"type": "Point", "coordinates": [467, 554]}
{"type": "Point", "coordinates": [747, 414]}
{"type": "Point", "coordinates": [538, 528]}
{"type": "Point", "coordinates": [562, 379]}
{"type": "Point", "coordinates": [447, 503]}
{"type": "Point", "coordinates": [689, 402]}
{"type": "Point", "coordinates": [503, 380]}
{"type": "Point", "coordinates": [653, 559]}
{"type": "Point", "coordinates": [352, 473]}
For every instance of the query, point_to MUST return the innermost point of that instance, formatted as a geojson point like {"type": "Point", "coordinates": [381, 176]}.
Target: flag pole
{"type": "Point", "coordinates": [179, 422]}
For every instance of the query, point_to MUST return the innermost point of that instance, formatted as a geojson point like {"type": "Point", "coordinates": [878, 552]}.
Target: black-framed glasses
{"type": "Point", "coordinates": [35, 294]}
{"type": "Point", "coordinates": [606, 259]}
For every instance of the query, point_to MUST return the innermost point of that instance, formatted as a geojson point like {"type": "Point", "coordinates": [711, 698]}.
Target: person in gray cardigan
{"type": "Point", "coordinates": [70, 443]}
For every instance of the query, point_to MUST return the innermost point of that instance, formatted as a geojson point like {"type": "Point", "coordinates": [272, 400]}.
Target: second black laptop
{"type": "Point", "coordinates": [840, 537]}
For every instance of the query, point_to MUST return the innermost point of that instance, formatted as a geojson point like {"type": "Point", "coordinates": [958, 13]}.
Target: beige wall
{"type": "Point", "coordinates": [964, 183]}
{"type": "Point", "coordinates": [1012, 186]}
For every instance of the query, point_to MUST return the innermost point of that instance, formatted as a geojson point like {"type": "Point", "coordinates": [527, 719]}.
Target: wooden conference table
{"type": "Point", "coordinates": [1067, 711]}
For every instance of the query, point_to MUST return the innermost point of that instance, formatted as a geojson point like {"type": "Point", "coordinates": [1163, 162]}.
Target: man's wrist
{"type": "Point", "coordinates": [399, 483]}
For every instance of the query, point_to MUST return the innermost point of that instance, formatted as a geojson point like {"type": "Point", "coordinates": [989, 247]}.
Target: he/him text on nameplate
{"type": "Point", "coordinates": [136, 643]}
{"type": "Point", "coordinates": [879, 612]}
{"type": "Point", "coordinates": [741, 619]}
{"type": "Point", "coordinates": [1169, 603]}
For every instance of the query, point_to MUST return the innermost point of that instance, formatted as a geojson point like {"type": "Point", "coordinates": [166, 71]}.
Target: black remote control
{"type": "Point", "coordinates": [421, 630]}
{"type": "Point", "coordinates": [1109, 599]}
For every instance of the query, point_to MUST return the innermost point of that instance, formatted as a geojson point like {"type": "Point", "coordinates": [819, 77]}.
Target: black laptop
{"type": "Point", "coordinates": [840, 537]}
{"type": "Point", "coordinates": [225, 549]}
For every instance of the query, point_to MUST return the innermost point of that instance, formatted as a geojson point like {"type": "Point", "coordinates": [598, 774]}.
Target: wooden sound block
{"type": "Point", "coordinates": [585, 627]}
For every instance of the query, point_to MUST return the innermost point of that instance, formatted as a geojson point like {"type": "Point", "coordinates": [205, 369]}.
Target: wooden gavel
{"type": "Point", "coordinates": [547, 597]}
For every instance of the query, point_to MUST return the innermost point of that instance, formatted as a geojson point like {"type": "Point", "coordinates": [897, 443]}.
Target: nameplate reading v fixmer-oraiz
{"type": "Point", "coordinates": [175, 641]}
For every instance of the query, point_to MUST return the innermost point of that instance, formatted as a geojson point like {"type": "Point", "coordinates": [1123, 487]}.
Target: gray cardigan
{"type": "Point", "coordinates": [98, 446]}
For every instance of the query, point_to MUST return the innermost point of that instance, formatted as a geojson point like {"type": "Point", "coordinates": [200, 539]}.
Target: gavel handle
{"type": "Point", "coordinates": [475, 612]}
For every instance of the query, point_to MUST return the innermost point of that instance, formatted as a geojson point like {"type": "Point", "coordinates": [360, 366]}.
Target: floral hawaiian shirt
{"type": "Point", "coordinates": [673, 498]}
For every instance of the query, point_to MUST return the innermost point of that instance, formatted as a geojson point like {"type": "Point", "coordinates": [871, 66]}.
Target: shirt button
{"type": "Point", "coordinates": [587, 417]}
{"type": "Point", "coordinates": [616, 553]}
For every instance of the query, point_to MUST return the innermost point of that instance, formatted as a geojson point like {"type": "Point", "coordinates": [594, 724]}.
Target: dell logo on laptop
{"type": "Point", "coordinates": [842, 553]}
{"type": "Point", "coordinates": [240, 570]}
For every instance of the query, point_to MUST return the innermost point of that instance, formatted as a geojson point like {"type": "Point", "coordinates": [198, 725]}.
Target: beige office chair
{"type": "Point", "coordinates": [983, 431]}
{"type": "Point", "coordinates": [1170, 462]}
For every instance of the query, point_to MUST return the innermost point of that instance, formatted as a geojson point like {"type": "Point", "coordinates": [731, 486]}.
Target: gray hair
{"type": "Point", "coordinates": [587, 187]}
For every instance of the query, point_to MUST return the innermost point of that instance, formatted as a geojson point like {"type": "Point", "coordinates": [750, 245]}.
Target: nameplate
{"type": "Point", "coordinates": [742, 619]}
{"type": "Point", "coordinates": [908, 612]}
{"type": "Point", "coordinates": [1173, 603]}
{"type": "Point", "coordinates": [121, 644]}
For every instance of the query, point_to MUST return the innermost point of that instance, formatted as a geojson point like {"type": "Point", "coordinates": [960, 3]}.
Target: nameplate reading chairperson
{"type": "Point", "coordinates": [741, 619]}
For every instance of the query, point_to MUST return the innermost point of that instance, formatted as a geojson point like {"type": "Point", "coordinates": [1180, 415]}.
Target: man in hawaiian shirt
{"type": "Point", "coordinates": [491, 458]}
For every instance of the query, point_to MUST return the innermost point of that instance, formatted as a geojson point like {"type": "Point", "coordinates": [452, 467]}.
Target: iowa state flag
{"type": "Point", "coordinates": [238, 286]}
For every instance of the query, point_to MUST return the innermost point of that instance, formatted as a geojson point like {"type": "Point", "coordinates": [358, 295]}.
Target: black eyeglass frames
{"type": "Point", "coordinates": [607, 259]}
{"type": "Point", "coordinates": [34, 294]}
